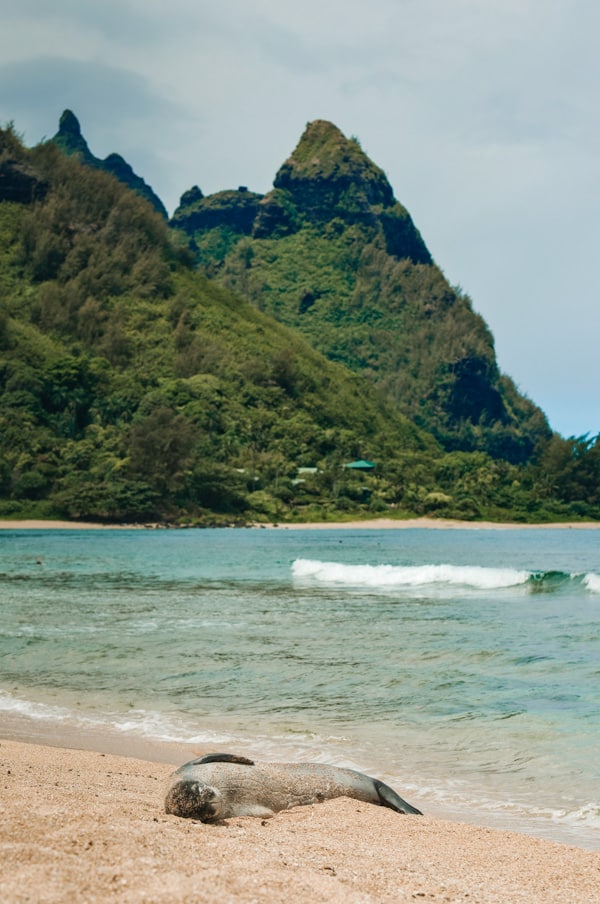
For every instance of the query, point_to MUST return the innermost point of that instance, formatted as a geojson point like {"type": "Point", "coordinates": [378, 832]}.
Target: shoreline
{"type": "Point", "coordinates": [86, 825]}
{"type": "Point", "coordinates": [39, 524]}
{"type": "Point", "coordinates": [429, 524]}
{"type": "Point", "coordinates": [85, 821]}
{"type": "Point", "coordinates": [109, 738]}
{"type": "Point", "coordinates": [367, 524]}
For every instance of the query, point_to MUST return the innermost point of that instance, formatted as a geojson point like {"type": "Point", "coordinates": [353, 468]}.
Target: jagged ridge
{"type": "Point", "coordinates": [70, 140]}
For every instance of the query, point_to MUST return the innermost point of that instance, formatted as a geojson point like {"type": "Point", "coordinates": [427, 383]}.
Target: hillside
{"type": "Point", "coordinates": [330, 252]}
{"type": "Point", "coordinates": [131, 387]}
{"type": "Point", "coordinates": [134, 388]}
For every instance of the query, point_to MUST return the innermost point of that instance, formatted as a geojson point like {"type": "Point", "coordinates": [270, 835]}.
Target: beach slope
{"type": "Point", "coordinates": [85, 826]}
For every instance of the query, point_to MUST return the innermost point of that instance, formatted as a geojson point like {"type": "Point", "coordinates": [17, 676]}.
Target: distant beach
{"type": "Point", "coordinates": [37, 524]}
{"type": "Point", "coordinates": [371, 524]}
{"type": "Point", "coordinates": [433, 523]}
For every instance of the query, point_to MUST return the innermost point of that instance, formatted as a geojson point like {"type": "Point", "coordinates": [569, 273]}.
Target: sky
{"type": "Point", "coordinates": [482, 113]}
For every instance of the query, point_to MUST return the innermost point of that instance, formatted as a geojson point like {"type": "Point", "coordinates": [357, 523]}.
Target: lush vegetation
{"type": "Point", "coordinates": [331, 253]}
{"type": "Point", "coordinates": [134, 388]}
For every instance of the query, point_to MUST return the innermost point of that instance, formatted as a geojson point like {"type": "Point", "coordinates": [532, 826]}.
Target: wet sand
{"type": "Point", "coordinates": [84, 826]}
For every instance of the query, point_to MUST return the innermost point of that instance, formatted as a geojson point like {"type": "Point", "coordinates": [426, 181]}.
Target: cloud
{"type": "Point", "coordinates": [36, 84]}
{"type": "Point", "coordinates": [115, 21]}
{"type": "Point", "coordinates": [119, 110]}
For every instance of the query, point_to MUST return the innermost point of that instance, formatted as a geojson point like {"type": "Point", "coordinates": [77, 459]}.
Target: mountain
{"type": "Point", "coordinates": [70, 140]}
{"type": "Point", "coordinates": [131, 387]}
{"type": "Point", "coordinates": [331, 252]}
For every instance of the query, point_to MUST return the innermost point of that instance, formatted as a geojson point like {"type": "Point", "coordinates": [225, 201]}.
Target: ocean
{"type": "Point", "coordinates": [460, 666]}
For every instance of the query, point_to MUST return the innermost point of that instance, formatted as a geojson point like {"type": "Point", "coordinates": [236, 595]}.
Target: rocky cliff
{"type": "Point", "coordinates": [70, 140]}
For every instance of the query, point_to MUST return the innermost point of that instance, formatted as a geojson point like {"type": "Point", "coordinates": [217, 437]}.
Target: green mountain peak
{"type": "Point", "coordinates": [68, 123]}
{"type": "Point", "coordinates": [329, 177]}
{"type": "Point", "coordinates": [328, 182]}
{"type": "Point", "coordinates": [70, 140]}
{"type": "Point", "coordinates": [324, 154]}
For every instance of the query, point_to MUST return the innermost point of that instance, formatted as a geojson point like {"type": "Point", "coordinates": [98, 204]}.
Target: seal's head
{"type": "Point", "coordinates": [193, 800]}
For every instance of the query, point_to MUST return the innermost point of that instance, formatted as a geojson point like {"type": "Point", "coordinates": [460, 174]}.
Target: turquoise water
{"type": "Point", "coordinates": [461, 666]}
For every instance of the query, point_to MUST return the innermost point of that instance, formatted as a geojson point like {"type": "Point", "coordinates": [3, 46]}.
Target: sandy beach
{"type": "Point", "coordinates": [371, 524]}
{"type": "Point", "coordinates": [37, 524]}
{"type": "Point", "coordinates": [84, 826]}
{"type": "Point", "coordinates": [429, 523]}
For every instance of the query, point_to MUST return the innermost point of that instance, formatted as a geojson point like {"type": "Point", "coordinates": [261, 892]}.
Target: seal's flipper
{"type": "Point", "coordinates": [221, 758]}
{"type": "Point", "coordinates": [389, 798]}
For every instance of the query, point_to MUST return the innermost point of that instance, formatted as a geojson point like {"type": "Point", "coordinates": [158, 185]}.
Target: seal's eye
{"type": "Point", "coordinates": [207, 804]}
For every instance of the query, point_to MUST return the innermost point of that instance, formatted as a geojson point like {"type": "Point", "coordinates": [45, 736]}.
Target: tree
{"type": "Point", "coordinates": [160, 449]}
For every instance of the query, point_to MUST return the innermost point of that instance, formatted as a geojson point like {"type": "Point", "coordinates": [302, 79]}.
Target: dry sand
{"type": "Point", "coordinates": [33, 524]}
{"type": "Point", "coordinates": [433, 523]}
{"type": "Point", "coordinates": [80, 826]}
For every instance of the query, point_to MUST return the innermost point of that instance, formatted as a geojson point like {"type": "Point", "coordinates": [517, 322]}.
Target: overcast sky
{"type": "Point", "coordinates": [483, 114]}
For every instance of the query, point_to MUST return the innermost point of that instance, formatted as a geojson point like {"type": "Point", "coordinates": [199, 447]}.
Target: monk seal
{"type": "Point", "coordinates": [219, 786]}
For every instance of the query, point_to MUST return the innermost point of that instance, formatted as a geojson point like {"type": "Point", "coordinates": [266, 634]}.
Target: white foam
{"type": "Point", "coordinates": [32, 710]}
{"type": "Point", "coordinates": [448, 798]}
{"type": "Point", "coordinates": [409, 575]}
{"type": "Point", "coordinates": [588, 814]}
{"type": "Point", "coordinates": [592, 582]}
{"type": "Point", "coordinates": [139, 722]}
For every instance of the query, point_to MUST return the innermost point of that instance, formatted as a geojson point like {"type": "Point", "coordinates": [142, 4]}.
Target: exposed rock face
{"type": "Point", "coordinates": [328, 174]}
{"type": "Point", "coordinates": [402, 238]}
{"type": "Point", "coordinates": [191, 196]}
{"type": "Point", "coordinates": [235, 210]}
{"type": "Point", "coordinates": [70, 140]}
{"type": "Point", "coordinates": [277, 216]}
{"type": "Point", "coordinates": [20, 183]}
{"type": "Point", "coordinates": [474, 394]}
{"type": "Point", "coordinates": [327, 177]}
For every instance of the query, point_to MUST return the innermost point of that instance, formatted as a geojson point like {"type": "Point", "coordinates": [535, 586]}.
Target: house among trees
{"type": "Point", "coordinates": [361, 465]}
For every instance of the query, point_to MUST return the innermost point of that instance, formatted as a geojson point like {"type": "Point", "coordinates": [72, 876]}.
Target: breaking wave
{"type": "Point", "coordinates": [415, 576]}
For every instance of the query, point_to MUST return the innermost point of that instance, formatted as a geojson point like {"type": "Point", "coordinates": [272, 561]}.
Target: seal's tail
{"type": "Point", "coordinates": [389, 798]}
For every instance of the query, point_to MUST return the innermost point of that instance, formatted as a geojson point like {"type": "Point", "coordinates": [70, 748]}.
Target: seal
{"type": "Point", "coordinates": [221, 785]}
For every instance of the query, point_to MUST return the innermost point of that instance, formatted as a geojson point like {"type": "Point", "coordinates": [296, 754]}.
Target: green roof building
{"type": "Point", "coordinates": [361, 465]}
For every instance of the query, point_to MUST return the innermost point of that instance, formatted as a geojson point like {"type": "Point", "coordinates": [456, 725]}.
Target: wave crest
{"type": "Point", "coordinates": [592, 582]}
{"type": "Point", "coordinates": [409, 575]}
